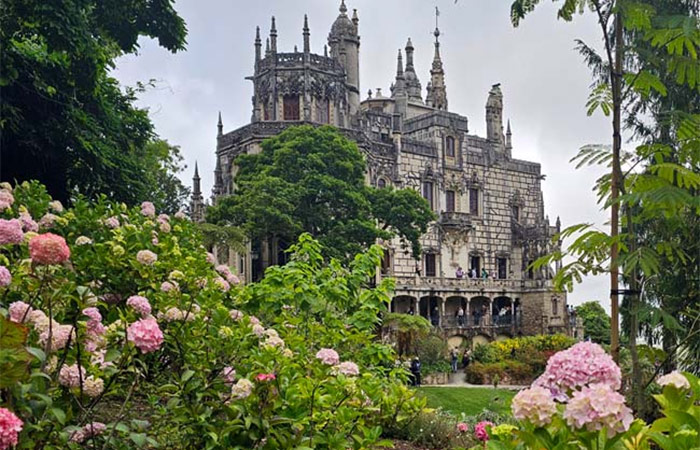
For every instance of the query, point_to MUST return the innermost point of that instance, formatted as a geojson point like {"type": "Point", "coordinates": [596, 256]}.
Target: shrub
{"type": "Point", "coordinates": [432, 350]}
{"type": "Point", "coordinates": [213, 365]}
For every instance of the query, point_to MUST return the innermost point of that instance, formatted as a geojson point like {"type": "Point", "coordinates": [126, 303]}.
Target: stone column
{"type": "Point", "coordinates": [490, 312]}
{"type": "Point", "coordinates": [467, 314]}
{"type": "Point", "coordinates": [417, 307]}
{"type": "Point", "coordinates": [441, 319]}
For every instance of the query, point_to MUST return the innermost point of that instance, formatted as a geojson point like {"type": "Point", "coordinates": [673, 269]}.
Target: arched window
{"type": "Point", "coordinates": [450, 146]}
{"type": "Point", "coordinates": [381, 183]}
{"type": "Point", "coordinates": [555, 306]}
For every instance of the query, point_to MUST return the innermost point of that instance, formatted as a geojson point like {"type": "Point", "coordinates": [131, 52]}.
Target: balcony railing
{"type": "Point", "coordinates": [467, 284]}
{"type": "Point", "coordinates": [455, 219]}
{"type": "Point", "coordinates": [484, 322]}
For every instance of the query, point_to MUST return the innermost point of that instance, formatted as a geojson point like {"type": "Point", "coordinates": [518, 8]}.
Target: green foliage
{"type": "Point", "coordinates": [177, 396]}
{"type": "Point", "coordinates": [432, 350]}
{"type": "Point", "coordinates": [64, 119]}
{"type": "Point", "coordinates": [312, 180]}
{"type": "Point", "coordinates": [410, 329]}
{"type": "Point", "coordinates": [596, 322]}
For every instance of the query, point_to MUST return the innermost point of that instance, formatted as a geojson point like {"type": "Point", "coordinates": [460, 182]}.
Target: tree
{"type": "Point", "coordinates": [64, 120]}
{"type": "Point", "coordinates": [596, 322]}
{"type": "Point", "coordinates": [660, 177]}
{"type": "Point", "coordinates": [312, 180]}
{"type": "Point", "coordinates": [161, 163]}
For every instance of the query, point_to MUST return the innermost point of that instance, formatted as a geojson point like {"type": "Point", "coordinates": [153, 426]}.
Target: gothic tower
{"type": "Point", "coordinates": [344, 43]}
{"type": "Point", "coordinates": [197, 205]}
{"type": "Point", "coordinates": [413, 86]}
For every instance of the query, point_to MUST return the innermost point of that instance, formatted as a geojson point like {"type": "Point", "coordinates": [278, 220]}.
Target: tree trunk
{"type": "Point", "coordinates": [616, 81]}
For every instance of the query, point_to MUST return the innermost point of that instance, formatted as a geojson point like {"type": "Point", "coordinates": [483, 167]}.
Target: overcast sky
{"type": "Point", "coordinates": [544, 81]}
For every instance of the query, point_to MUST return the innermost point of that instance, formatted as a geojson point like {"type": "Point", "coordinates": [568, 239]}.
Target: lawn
{"type": "Point", "coordinates": [469, 401]}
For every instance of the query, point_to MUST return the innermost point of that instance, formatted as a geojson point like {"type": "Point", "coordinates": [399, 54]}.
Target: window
{"type": "Point", "coordinates": [474, 202]}
{"type": "Point", "coordinates": [267, 111]}
{"type": "Point", "coordinates": [291, 107]}
{"type": "Point", "coordinates": [502, 268]}
{"type": "Point", "coordinates": [449, 201]}
{"type": "Point", "coordinates": [386, 262]}
{"type": "Point", "coordinates": [381, 183]}
{"type": "Point", "coordinates": [430, 267]}
{"type": "Point", "coordinates": [476, 265]}
{"type": "Point", "coordinates": [555, 307]}
{"type": "Point", "coordinates": [530, 270]}
{"type": "Point", "coordinates": [322, 111]}
{"type": "Point", "coordinates": [450, 146]}
{"type": "Point", "coordinates": [516, 213]}
{"type": "Point", "coordinates": [428, 192]}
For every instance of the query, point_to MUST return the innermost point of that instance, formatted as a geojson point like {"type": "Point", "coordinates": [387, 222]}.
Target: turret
{"type": "Point", "coordinates": [273, 37]}
{"type": "Point", "coordinates": [219, 126]}
{"type": "Point", "coordinates": [494, 117]}
{"type": "Point", "coordinates": [437, 94]}
{"type": "Point", "coordinates": [307, 34]}
{"type": "Point", "coordinates": [509, 139]}
{"type": "Point", "coordinates": [258, 47]}
{"type": "Point", "coordinates": [413, 86]}
{"type": "Point", "coordinates": [344, 43]}
{"type": "Point", "coordinates": [197, 203]}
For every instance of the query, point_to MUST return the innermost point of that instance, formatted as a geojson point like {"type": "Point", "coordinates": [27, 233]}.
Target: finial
{"type": "Point", "coordinates": [267, 46]}
{"type": "Point", "coordinates": [196, 170]}
{"type": "Point", "coordinates": [409, 44]}
{"type": "Point", "coordinates": [306, 23]}
{"type": "Point", "coordinates": [325, 50]}
{"type": "Point", "coordinates": [296, 50]}
{"type": "Point", "coordinates": [379, 92]}
{"type": "Point", "coordinates": [307, 41]}
{"type": "Point", "coordinates": [355, 19]}
{"type": "Point", "coordinates": [343, 8]}
{"type": "Point", "coordinates": [369, 93]}
{"type": "Point", "coordinates": [399, 65]}
{"type": "Point", "coordinates": [220, 125]}
{"type": "Point", "coordinates": [257, 34]}
{"type": "Point", "coordinates": [508, 128]}
{"type": "Point", "coordinates": [437, 28]}
{"type": "Point", "coordinates": [273, 28]}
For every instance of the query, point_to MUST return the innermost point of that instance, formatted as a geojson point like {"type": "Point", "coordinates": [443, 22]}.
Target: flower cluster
{"type": "Point", "coordinates": [242, 389]}
{"type": "Point", "coordinates": [147, 209]}
{"type": "Point", "coordinates": [146, 257]}
{"type": "Point", "coordinates": [145, 334]}
{"type": "Point", "coordinates": [675, 379]}
{"type": "Point", "coordinates": [480, 430]}
{"type": "Point", "coordinates": [534, 405]}
{"type": "Point", "coordinates": [583, 364]}
{"type": "Point", "coordinates": [48, 249]}
{"type": "Point", "coordinates": [10, 427]}
{"type": "Point", "coordinates": [462, 427]}
{"type": "Point", "coordinates": [139, 304]}
{"type": "Point", "coordinates": [5, 276]}
{"type": "Point", "coordinates": [328, 356]}
{"type": "Point", "coordinates": [11, 232]}
{"type": "Point", "coordinates": [225, 272]}
{"type": "Point", "coordinates": [597, 406]}
{"type": "Point", "coordinates": [6, 199]}
{"type": "Point", "coordinates": [83, 240]}
{"type": "Point", "coordinates": [347, 368]}
{"type": "Point", "coordinates": [90, 430]}
{"type": "Point", "coordinates": [112, 222]}
{"type": "Point", "coordinates": [262, 377]}
{"type": "Point", "coordinates": [228, 374]}
{"type": "Point", "coordinates": [70, 375]}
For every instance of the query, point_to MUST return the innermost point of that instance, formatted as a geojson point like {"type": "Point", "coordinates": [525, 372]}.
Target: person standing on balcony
{"type": "Point", "coordinates": [460, 316]}
{"type": "Point", "coordinates": [473, 273]}
{"type": "Point", "coordinates": [459, 273]}
{"type": "Point", "coordinates": [484, 273]}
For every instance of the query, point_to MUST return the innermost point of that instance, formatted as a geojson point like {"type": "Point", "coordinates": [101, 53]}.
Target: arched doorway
{"type": "Point", "coordinates": [502, 311]}
{"type": "Point", "coordinates": [403, 304]}
{"type": "Point", "coordinates": [430, 309]}
{"type": "Point", "coordinates": [452, 306]}
{"type": "Point", "coordinates": [479, 311]}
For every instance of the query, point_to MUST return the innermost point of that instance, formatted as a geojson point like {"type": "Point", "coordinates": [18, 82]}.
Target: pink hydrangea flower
{"type": "Point", "coordinates": [164, 227]}
{"type": "Point", "coordinates": [596, 407]}
{"type": "Point", "coordinates": [328, 356]}
{"type": "Point", "coordinates": [258, 329]}
{"type": "Point", "coordinates": [93, 387]}
{"type": "Point", "coordinates": [348, 368]}
{"type": "Point", "coordinates": [228, 374]}
{"type": "Point", "coordinates": [5, 276]}
{"type": "Point", "coordinates": [56, 206]}
{"type": "Point", "coordinates": [163, 218]}
{"type": "Point", "coordinates": [146, 257]}
{"type": "Point", "coordinates": [254, 320]}
{"type": "Point", "coordinates": [675, 379]}
{"type": "Point", "coordinates": [235, 314]}
{"type": "Point", "coordinates": [28, 224]}
{"type": "Point", "coordinates": [147, 209]}
{"type": "Point", "coordinates": [93, 313]}
{"type": "Point", "coordinates": [6, 199]}
{"type": "Point", "coordinates": [210, 258]}
{"type": "Point", "coordinates": [180, 215]}
{"type": "Point", "coordinates": [11, 232]}
{"type": "Point", "coordinates": [480, 430]}
{"type": "Point", "coordinates": [48, 249]}
{"type": "Point", "coordinates": [462, 427]}
{"type": "Point", "coordinates": [88, 431]}
{"type": "Point", "coordinates": [19, 311]}
{"type": "Point", "coordinates": [10, 427]}
{"type": "Point", "coordinates": [222, 284]}
{"type": "Point", "coordinates": [583, 364]}
{"type": "Point", "coordinates": [168, 286]}
{"type": "Point", "coordinates": [273, 342]}
{"type": "Point", "coordinates": [69, 376]}
{"type": "Point", "coordinates": [139, 304]}
{"type": "Point", "coordinates": [262, 377]}
{"type": "Point", "coordinates": [145, 334]}
{"type": "Point", "coordinates": [60, 335]}
{"type": "Point", "coordinates": [535, 405]}
{"type": "Point", "coordinates": [112, 222]}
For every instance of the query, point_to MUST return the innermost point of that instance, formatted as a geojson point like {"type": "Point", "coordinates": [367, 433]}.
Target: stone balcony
{"type": "Point", "coordinates": [468, 285]}
{"type": "Point", "coordinates": [455, 220]}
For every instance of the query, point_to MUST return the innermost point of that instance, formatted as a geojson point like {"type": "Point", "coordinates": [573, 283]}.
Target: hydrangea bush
{"type": "Point", "coordinates": [576, 404]}
{"type": "Point", "coordinates": [119, 331]}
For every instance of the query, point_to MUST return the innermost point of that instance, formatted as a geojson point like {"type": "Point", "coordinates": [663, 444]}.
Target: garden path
{"type": "Point", "coordinates": [457, 380]}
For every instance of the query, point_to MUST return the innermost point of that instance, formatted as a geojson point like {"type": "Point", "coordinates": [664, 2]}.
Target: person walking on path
{"type": "Point", "coordinates": [453, 357]}
{"type": "Point", "coordinates": [466, 356]}
{"type": "Point", "coordinates": [415, 371]}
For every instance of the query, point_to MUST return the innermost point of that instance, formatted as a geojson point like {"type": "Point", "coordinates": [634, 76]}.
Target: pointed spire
{"type": "Point", "coordinates": [307, 33]}
{"type": "Point", "coordinates": [509, 137]}
{"type": "Point", "coordinates": [220, 126]}
{"type": "Point", "coordinates": [413, 86]}
{"type": "Point", "coordinates": [258, 45]}
{"type": "Point", "coordinates": [197, 202]}
{"type": "Point", "coordinates": [343, 9]}
{"type": "Point", "coordinates": [273, 36]}
{"type": "Point", "coordinates": [399, 87]}
{"type": "Point", "coordinates": [325, 50]}
{"type": "Point", "coordinates": [267, 47]}
{"type": "Point", "coordinates": [437, 94]}
{"type": "Point", "coordinates": [196, 171]}
{"type": "Point", "coordinates": [399, 65]}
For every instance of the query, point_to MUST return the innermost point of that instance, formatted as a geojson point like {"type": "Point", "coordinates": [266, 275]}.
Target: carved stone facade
{"type": "Point", "coordinates": [491, 223]}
